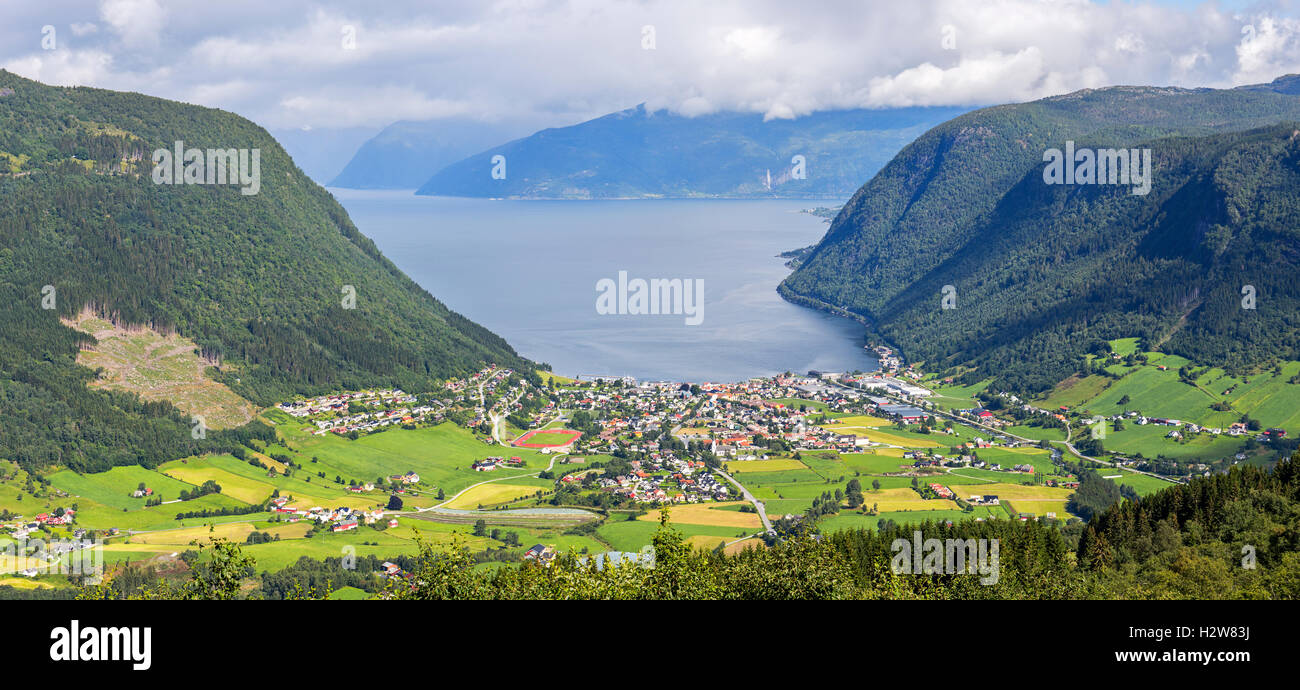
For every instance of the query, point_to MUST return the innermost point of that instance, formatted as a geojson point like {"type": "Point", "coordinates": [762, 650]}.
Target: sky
{"type": "Point", "coordinates": [358, 66]}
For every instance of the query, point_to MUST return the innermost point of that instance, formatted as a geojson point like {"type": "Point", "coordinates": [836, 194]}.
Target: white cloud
{"type": "Point", "coordinates": [369, 105]}
{"type": "Point", "coordinates": [1269, 47]}
{"type": "Point", "coordinates": [63, 67]}
{"type": "Point", "coordinates": [137, 22]}
{"type": "Point", "coordinates": [285, 64]}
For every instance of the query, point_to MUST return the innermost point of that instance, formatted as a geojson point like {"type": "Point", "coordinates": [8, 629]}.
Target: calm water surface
{"type": "Point", "coordinates": [528, 270]}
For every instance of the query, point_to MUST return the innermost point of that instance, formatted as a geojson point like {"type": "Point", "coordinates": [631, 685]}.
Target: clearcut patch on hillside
{"type": "Point", "coordinates": [158, 366]}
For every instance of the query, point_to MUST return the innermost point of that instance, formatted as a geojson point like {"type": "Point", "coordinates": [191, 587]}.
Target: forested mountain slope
{"type": "Point", "coordinates": [256, 280]}
{"type": "Point", "coordinates": [1044, 272]}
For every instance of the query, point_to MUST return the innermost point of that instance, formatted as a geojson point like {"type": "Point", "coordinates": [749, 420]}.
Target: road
{"type": "Point", "coordinates": [758, 505]}
{"type": "Point", "coordinates": [555, 457]}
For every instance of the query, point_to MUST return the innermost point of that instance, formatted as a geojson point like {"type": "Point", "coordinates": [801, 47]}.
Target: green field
{"type": "Point", "coordinates": [797, 403]}
{"type": "Point", "coordinates": [158, 517]}
{"type": "Point", "coordinates": [1010, 457]}
{"type": "Point", "coordinates": [624, 535]}
{"type": "Point", "coordinates": [1266, 396]}
{"type": "Point", "coordinates": [1074, 391]}
{"type": "Point", "coordinates": [1150, 441]}
{"type": "Point", "coordinates": [490, 494]}
{"type": "Point", "coordinates": [254, 482]}
{"type": "Point", "coordinates": [441, 455]}
{"type": "Point", "coordinates": [113, 488]}
{"type": "Point", "coordinates": [956, 397]}
{"type": "Point", "coordinates": [978, 476]}
{"type": "Point", "coordinates": [874, 464]}
{"type": "Point", "coordinates": [1141, 483]}
{"type": "Point", "coordinates": [847, 520]}
{"type": "Point", "coordinates": [827, 465]}
{"type": "Point", "coordinates": [775, 465]}
{"type": "Point", "coordinates": [1037, 433]}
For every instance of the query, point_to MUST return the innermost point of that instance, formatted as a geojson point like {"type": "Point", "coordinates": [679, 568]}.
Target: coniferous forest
{"type": "Point", "coordinates": [1042, 274]}
{"type": "Point", "coordinates": [258, 282]}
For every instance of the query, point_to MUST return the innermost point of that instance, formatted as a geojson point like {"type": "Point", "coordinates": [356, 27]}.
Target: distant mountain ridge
{"type": "Point", "coordinates": [404, 154]}
{"type": "Point", "coordinates": [1042, 273]}
{"type": "Point", "coordinates": [638, 153]}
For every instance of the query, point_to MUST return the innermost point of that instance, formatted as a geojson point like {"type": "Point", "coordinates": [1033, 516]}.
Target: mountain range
{"type": "Point", "coordinates": [1040, 274]}
{"type": "Point", "coordinates": [641, 153]}
{"type": "Point", "coordinates": [404, 154]}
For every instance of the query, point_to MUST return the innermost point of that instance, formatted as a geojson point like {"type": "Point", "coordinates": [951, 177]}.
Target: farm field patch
{"type": "Point", "coordinates": [871, 463]}
{"type": "Point", "coordinates": [777, 465]}
{"type": "Point", "coordinates": [236, 531]}
{"type": "Point", "coordinates": [1143, 484]}
{"type": "Point", "coordinates": [631, 535]}
{"type": "Point", "coordinates": [896, 500]}
{"type": "Point", "coordinates": [867, 421]}
{"type": "Point", "coordinates": [114, 487]}
{"type": "Point", "coordinates": [703, 514]}
{"type": "Point", "coordinates": [491, 494]}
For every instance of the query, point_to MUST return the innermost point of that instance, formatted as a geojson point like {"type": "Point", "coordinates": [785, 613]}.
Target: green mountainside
{"type": "Point", "coordinates": [1044, 273]}
{"type": "Point", "coordinates": [257, 281]}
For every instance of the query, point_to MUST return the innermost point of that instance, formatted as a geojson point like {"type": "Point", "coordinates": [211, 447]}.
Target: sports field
{"type": "Point", "coordinates": [547, 438]}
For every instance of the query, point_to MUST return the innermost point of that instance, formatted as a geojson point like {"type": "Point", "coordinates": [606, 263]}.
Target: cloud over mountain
{"type": "Point", "coordinates": [331, 64]}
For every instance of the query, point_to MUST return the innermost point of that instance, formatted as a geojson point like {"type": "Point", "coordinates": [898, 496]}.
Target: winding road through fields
{"type": "Point", "coordinates": [758, 505]}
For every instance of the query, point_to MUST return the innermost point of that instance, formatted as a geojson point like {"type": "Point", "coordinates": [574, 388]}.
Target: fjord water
{"type": "Point", "coordinates": [528, 270]}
